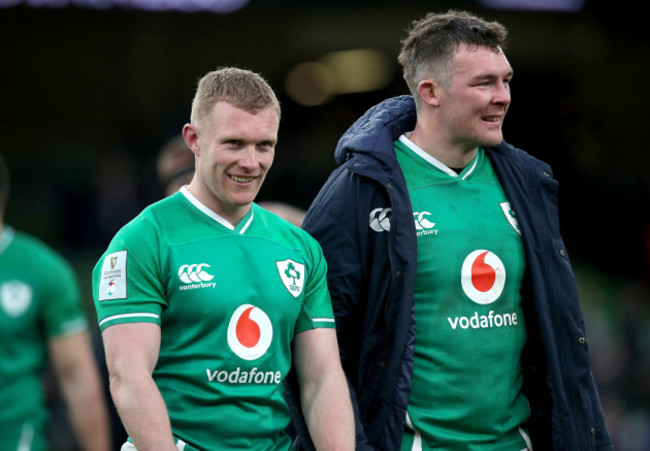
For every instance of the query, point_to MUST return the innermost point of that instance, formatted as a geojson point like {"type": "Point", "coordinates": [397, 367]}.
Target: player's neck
{"type": "Point", "coordinates": [232, 214]}
{"type": "Point", "coordinates": [452, 155]}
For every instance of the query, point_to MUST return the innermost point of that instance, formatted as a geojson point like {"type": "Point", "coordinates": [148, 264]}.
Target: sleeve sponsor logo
{"type": "Point", "coordinates": [112, 282]}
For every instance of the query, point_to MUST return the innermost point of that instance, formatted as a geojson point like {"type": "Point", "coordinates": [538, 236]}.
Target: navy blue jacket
{"type": "Point", "coordinates": [371, 278]}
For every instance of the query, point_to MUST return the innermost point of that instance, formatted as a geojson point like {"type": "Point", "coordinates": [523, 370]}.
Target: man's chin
{"type": "Point", "coordinates": [243, 201]}
{"type": "Point", "coordinates": [492, 141]}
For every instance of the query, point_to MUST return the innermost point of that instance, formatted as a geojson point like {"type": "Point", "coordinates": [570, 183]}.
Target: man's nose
{"type": "Point", "coordinates": [502, 95]}
{"type": "Point", "coordinates": [249, 157]}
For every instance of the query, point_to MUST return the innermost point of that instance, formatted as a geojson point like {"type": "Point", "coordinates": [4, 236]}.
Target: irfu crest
{"type": "Point", "coordinates": [15, 298]}
{"type": "Point", "coordinates": [510, 216]}
{"type": "Point", "coordinates": [292, 275]}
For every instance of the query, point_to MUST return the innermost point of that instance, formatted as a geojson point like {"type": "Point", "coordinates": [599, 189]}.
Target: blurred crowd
{"type": "Point", "coordinates": [617, 317]}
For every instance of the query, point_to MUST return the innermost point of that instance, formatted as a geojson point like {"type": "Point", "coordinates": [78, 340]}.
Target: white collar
{"type": "Point", "coordinates": [197, 203]}
{"type": "Point", "coordinates": [435, 162]}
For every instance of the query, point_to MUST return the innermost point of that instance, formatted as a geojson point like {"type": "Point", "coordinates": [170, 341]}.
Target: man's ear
{"type": "Point", "coordinates": [191, 136]}
{"type": "Point", "coordinates": [429, 91]}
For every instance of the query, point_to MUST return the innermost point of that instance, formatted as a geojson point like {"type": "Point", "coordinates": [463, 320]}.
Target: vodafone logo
{"type": "Point", "coordinates": [483, 276]}
{"type": "Point", "coordinates": [249, 332]}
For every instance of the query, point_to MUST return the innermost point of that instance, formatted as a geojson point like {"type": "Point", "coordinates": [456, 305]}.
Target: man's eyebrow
{"type": "Point", "coordinates": [491, 76]}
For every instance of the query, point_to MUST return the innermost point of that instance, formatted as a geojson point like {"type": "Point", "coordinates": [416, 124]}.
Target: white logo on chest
{"type": "Point", "coordinates": [15, 298]}
{"type": "Point", "coordinates": [249, 332]}
{"type": "Point", "coordinates": [194, 276]}
{"type": "Point", "coordinates": [292, 275]}
{"type": "Point", "coordinates": [510, 216]}
{"type": "Point", "coordinates": [422, 224]}
{"type": "Point", "coordinates": [194, 273]}
{"type": "Point", "coordinates": [483, 276]}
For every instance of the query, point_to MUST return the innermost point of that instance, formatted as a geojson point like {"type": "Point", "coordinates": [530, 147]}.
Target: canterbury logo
{"type": "Point", "coordinates": [194, 273]}
{"type": "Point", "coordinates": [421, 221]}
{"type": "Point", "coordinates": [380, 219]}
{"type": "Point", "coordinates": [423, 226]}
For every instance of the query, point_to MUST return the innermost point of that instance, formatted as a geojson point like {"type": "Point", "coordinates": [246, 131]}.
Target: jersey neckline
{"type": "Point", "coordinates": [240, 228]}
{"type": "Point", "coordinates": [466, 172]}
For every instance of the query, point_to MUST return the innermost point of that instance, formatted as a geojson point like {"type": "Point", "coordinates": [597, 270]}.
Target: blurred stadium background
{"type": "Point", "coordinates": [91, 89]}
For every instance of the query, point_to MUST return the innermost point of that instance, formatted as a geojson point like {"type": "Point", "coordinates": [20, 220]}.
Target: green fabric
{"type": "Point", "coordinates": [39, 300]}
{"type": "Point", "coordinates": [466, 387]}
{"type": "Point", "coordinates": [229, 302]}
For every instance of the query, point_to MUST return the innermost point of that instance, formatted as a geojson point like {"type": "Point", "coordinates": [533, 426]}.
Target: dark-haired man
{"type": "Point", "coordinates": [457, 311]}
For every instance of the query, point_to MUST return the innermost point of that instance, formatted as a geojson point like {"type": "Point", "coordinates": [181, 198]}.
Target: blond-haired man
{"type": "Point", "coordinates": [205, 299]}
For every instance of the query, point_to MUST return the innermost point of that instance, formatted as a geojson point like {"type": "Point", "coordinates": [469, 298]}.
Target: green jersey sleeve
{"type": "Point", "coordinates": [127, 282]}
{"type": "Point", "coordinates": [317, 306]}
{"type": "Point", "coordinates": [62, 312]}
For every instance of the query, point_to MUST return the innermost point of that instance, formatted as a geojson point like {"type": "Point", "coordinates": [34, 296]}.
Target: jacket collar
{"type": "Point", "coordinates": [375, 131]}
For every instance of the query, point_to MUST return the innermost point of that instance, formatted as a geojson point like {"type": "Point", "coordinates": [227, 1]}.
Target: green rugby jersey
{"type": "Point", "coordinates": [229, 302]}
{"type": "Point", "coordinates": [466, 386]}
{"type": "Point", "coordinates": [39, 300]}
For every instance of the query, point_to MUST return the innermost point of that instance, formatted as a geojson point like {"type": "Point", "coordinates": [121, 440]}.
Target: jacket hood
{"type": "Point", "coordinates": [375, 131]}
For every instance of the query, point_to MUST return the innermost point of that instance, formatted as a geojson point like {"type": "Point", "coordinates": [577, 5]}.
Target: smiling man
{"type": "Point", "coordinates": [457, 311]}
{"type": "Point", "coordinates": [206, 299]}
{"type": "Point", "coordinates": [234, 148]}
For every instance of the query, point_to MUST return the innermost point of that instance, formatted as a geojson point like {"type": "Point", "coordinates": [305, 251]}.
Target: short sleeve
{"type": "Point", "coordinates": [62, 312]}
{"type": "Point", "coordinates": [317, 305]}
{"type": "Point", "coordinates": [127, 281]}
